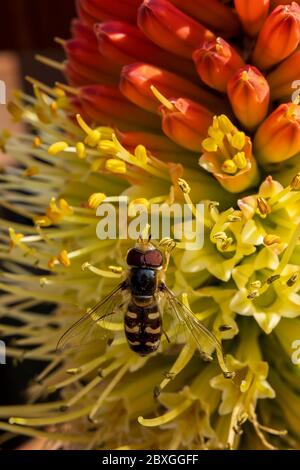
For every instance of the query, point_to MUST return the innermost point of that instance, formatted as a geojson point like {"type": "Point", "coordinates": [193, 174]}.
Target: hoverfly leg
{"type": "Point", "coordinates": [169, 375]}
{"type": "Point", "coordinates": [206, 357]}
{"type": "Point", "coordinates": [167, 337]}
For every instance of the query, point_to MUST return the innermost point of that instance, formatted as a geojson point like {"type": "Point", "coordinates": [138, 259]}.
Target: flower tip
{"type": "Point", "coordinates": [141, 420]}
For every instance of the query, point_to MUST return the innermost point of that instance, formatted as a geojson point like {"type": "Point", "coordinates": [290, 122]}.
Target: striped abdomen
{"type": "Point", "coordinates": [143, 326]}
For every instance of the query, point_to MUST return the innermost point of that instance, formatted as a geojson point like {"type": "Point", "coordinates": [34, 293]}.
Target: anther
{"type": "Point", "coordinates": [255, 285]}
{"type": "Point", "coordinates": [95, 200]}
{"type": "Point", "coordinates": [220, 236]}
{"type": "Point", "coordinates": [295, 184]}
{"type": "Point", "coordinates": [226, 244]}
{"type": "Point", "coordinates": [292, 280]}
{"type": "Point", "coordinates": [253, 295]}
{"type": "Point", "coordinates": [229, 167]}
{"type": "Point", "coordinates": [63, 408]}
{"type": "Point", "coordinates": [228, 374]}
{"type": "Point", "coordinates": [234, 217]}
{"type": "Point", "coordinates": [225, 328]}
{"type": "Point", "coordinates": [272, 279]}
{"type": "Point", "coordinates": [57, 148]}
{"type": "Point", "coordinates": [185, 188]}
{"type": "Point", "coordinates": [270, 239]}
{"type": "Point", "coordinates": [263, 206]}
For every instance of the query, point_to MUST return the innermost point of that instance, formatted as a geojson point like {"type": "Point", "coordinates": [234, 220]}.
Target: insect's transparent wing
{"type": "Point", "coordinates": [204, 339]}
{"type": "Point", "coordinates": [105, 315]}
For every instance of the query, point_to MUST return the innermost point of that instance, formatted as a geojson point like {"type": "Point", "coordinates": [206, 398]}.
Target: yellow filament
{"type": "Point", "coordinates": [167, 417]}
{"type": "Point", "coordinates": [93, 136]}
{"type": "Point", "coordinates": [162, 99]}
{"type": "Point", "coordinates": [108, 390]}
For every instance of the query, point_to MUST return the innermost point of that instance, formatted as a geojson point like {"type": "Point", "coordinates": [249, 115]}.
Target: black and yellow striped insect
{"type": "Point", "coordinates": [142, 298]}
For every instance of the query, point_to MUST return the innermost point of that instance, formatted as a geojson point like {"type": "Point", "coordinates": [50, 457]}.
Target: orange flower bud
{"type": "Point", "coordinates": [186, 123]}
{"type": "Point", "coordinates": [93, 11]}
{"type": "Point", "coordinates": [279, 36]}
{"type": "Point", "coordinates": [278, 137]}
{"type": "Point", "coordinates": [281, 79]}
{"type": "Point", "coordinates": [249, 95]}
{"type": "Point", "coordinates": [136, 80]}
{"type": "Point", "coordinates": [158, 145]}
{"type": "Point", "coordinates": [216, 61]}
{"type": "Point", "coordinates": [106, 105]}
{"type": "Point", "coordinates": [252, 14]}
{"type": "Point", "coordinates": [171, 29]}
{"type": "Point", "coordinates": [213, 13]}
{"type": "Point", "coordinates": [126, 44]}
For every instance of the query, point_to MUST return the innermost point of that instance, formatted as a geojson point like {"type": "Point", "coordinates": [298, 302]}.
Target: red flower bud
{"type": "Point", "coordinates": [92, 11]}
{"type": "Point", "coordinates": [278, 137]}
{"type": "Point", "coordinates": [136, 80]}
{"type": "Point", "coordinates": [126, 44]}
{"type": "Point", "coordinates": [86, 65]}
{"type": "Point", "coordinates": [249, 95]}
{"type": "Point", "coordinates": [216, 62]}
{"type": "Point", "coordinates": [186, 123]}
{"type": "Point", "coordinates": [106, 105]}
{"type": "Point", "coordinates": [158, 145]}
{"type": "Point", "coordinates": [252, 14]}
{"type": "Point", "coordinates": [171, 29]}
{"type": "Point", "coordinates": [81, 30]}
{"type": "Point", "coordinates": [279, 36]}
{"type": "Point", "coordinates": [213, 13]}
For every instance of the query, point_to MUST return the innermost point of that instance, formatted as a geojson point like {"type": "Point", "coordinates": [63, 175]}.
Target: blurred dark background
{"type": "Point", "coordinates": [27, 28]}
{"type": "Point", "coordinates": [32, 24]}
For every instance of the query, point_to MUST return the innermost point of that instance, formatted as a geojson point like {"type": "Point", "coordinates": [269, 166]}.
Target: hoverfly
{"type": "Point", "coordinates": [142, 298]}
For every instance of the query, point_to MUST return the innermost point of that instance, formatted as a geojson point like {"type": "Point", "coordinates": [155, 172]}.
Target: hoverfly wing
{"type": "Point", "coordinates": [204, 339]}
{"type": "Point", "coordinates": [87, 329]}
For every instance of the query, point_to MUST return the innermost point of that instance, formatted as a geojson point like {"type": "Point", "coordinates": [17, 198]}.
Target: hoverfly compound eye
{"type": "Point", "coordinates": [150, 259]}
{"type": "Point", "coordinates": [153, 259]}
{"type": "Point", "coordinates": [135, 258]}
